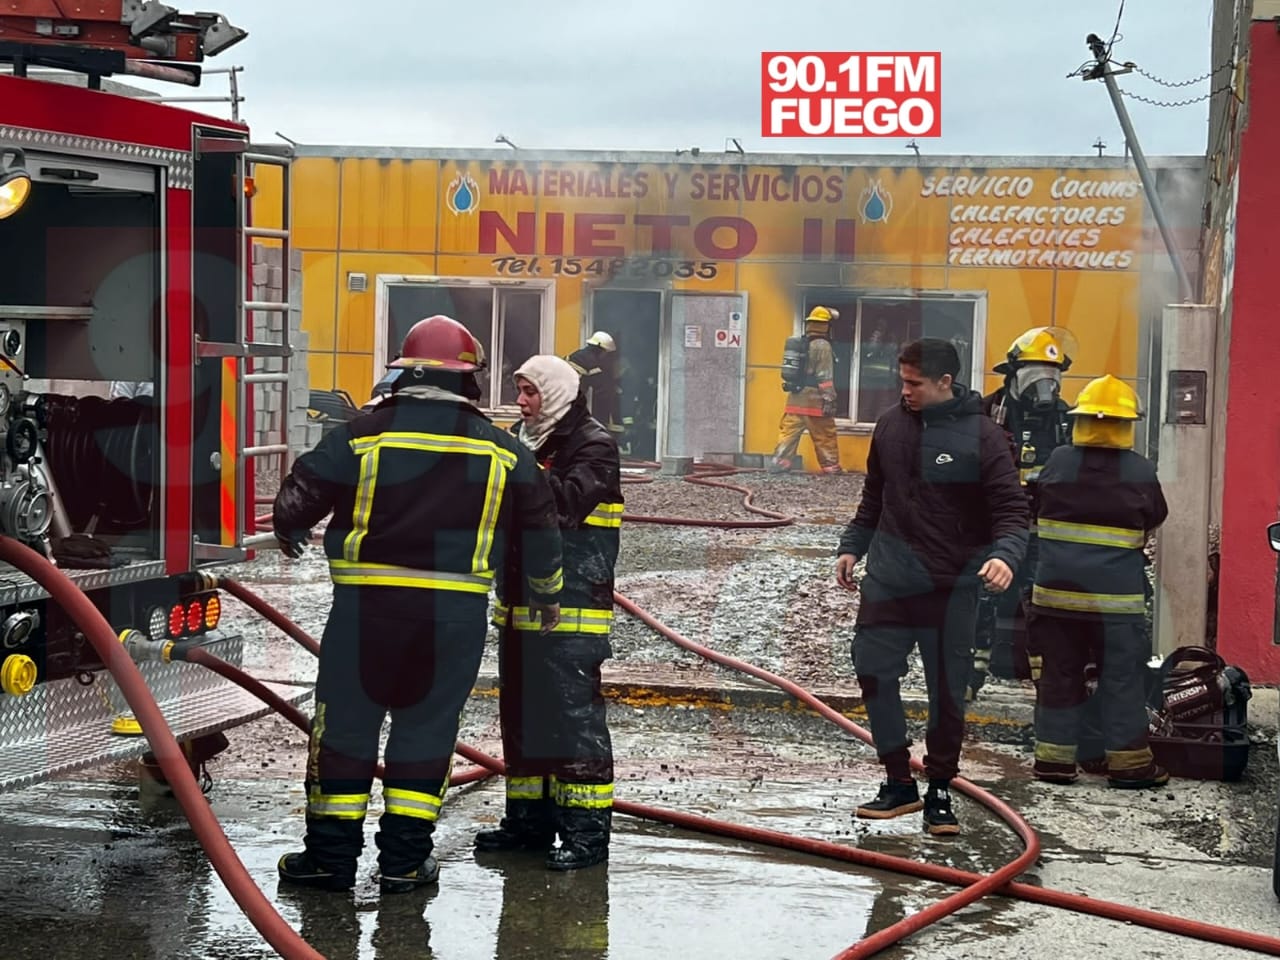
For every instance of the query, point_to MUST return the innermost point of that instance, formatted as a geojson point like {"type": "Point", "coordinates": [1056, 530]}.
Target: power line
{"type": "Point", "coordinates": [1181, 83]}
{"type": "Point", "coordinates": [1176, 103]}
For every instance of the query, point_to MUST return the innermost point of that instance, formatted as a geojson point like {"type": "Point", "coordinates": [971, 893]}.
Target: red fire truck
{"type": "Point", "coordinates": [127, 367]}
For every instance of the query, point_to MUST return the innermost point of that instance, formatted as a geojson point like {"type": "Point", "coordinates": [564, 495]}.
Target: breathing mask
{"type": "Point", "coordinates": [1036, 385]}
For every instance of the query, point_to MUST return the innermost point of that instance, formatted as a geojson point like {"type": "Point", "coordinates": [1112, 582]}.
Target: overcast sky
{"type": "Point", "coordinates": [669, 74]}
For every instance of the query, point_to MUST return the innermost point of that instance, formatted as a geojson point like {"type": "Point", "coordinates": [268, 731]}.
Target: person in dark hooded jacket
{"type": "Point", "coordinates": [942, 512]}
{"type": "Point", "coordinates": [556, 742]}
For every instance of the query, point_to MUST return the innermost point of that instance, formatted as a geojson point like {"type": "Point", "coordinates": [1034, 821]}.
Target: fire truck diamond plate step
{"type": "Point", "coordinates": [65, 726]}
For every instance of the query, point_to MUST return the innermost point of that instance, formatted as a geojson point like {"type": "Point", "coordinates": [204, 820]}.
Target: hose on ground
{"type": "Point", "coordinates": [880, 861]}
{"type": "Point", "coordinates": [173, 763]}
{"type": "Point", "coordinates": [704, 475]}
{"type": "Point", "coordinates": [198, 655]}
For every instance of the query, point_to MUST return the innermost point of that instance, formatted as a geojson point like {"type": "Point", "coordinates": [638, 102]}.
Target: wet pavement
{"type": "Point", "coordinates": [92, 867]}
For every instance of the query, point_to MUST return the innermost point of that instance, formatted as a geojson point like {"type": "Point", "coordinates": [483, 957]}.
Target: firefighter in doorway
{"type": "Point", "coordinates": [1030, 410]}
{"type": "Point", "coordinates": [556, 742]}
{"type": "Point", "coordinates": [808, 376]}
{"type": "Point", "coordinates": [422, 480]}
{"type": "Point", "coordinates": [598, 364]}
{"type": "Point", "coordinates": [1099, 502]}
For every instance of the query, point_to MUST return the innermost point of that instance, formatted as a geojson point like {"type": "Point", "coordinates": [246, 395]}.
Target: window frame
{"type": "Point", "coordinates": [385, 282]}
{"type": "Point", "coordinates": [810, 294]}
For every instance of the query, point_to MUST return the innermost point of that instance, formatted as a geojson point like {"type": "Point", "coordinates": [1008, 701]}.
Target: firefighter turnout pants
{"type": "Point", "coordinates": [380, 655]}
{"type": "Point", "coordinates": [942, 627]}
{"type": "Point", "coordinates": [1119, 648]}
{"type": "Point", "coordinates": [822, 431]}
{"type": "Point", "coordinates": [555, 734]}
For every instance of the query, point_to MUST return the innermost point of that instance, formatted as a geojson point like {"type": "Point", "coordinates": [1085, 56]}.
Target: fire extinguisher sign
{"type": "Point", "coordinates": [727, 338]}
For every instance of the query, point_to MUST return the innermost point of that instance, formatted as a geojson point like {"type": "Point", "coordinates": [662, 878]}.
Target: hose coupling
{"type": "Point", "coordinates": [142, 649]}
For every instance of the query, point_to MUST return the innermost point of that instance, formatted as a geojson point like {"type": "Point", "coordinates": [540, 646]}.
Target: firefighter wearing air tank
{"type": "Point", "coordinates": [428, 498]}
{"type": "Point", "coordinates": [555, 735]}
{"type": "Point", "coordinates": [1099, 502]}
{"type": "Point", "coordinates": [1033, 416]}
{"type": "Point", "coordinates": [808, 376]}
{"type": "Point", "coordinates": [598, 364]}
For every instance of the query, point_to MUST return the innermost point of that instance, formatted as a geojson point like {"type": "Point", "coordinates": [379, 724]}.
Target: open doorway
{"type": "Point", "coordinates": [634, 319]}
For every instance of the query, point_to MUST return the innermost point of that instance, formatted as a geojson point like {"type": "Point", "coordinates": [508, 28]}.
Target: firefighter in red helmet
{"type": "Point", "coordinates": [426, 496]}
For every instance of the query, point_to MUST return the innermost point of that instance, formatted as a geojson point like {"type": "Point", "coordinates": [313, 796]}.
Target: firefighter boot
{"type": "Point", "coordinates": [584, 835]}
{"type": "Point", "coordinates": [1134, 770]}
{"type": "Point", "coordinates": [527, 825]}
{"type": "Point", "coordinates": [302, 871]}
{"type": "Point", "coordinates": [424, 875]}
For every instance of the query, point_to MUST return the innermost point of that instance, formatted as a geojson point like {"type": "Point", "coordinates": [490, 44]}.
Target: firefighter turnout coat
{"type": "Point", "coordinates": [599, 370]}
{"type": "Point", "coordinates": [1097, 505]}
{"type": "Point", "coordinates": [426, 493]}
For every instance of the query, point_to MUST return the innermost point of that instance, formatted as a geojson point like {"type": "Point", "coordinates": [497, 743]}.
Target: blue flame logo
{"type": "Point", "coordinates": [875, 203]}
{"type": "Point", "coordinates": [463, 194]}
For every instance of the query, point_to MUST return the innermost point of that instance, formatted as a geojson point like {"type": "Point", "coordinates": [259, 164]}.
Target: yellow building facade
{"type": "Point", "coordinates": [701, 267]}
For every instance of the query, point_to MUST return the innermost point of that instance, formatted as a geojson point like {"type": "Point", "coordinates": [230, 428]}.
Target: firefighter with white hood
{"type": "Point", "coordinates": [556, 741]}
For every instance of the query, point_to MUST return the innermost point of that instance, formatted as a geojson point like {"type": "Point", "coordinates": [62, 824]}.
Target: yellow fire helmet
{"type": "Point", "coordinates": [822, 315]}
{"type": "Point", "coordinates": [1107, 398]}
{"type": "Point", "coordinates": [1041, 345]}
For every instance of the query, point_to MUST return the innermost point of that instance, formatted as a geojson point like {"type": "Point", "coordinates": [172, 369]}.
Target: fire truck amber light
{"type": "Point", "coordinates": [15, 182]}
{"type": "Point", "coordinates": [212, 612]}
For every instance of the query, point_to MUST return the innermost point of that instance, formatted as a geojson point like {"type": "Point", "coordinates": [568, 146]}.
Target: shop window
{"type": "Point", "coordinates": [872, 330]}
{"type": "Point", "coordinates": [508, 323]}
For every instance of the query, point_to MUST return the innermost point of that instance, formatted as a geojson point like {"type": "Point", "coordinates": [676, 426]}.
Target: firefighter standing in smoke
{"type": "Point", "coordinates": [426, 494]}
{"type": "Point", "coordinates": [1034, 417]}
{"type": "Point", "coordinates": [555, 736]}
{"type": "Point", "coordinates": [809, 379]}
{"type": "Point", "coordinates": [598, 364]}
{"type": "Point", "coordinates": [1099, 502]}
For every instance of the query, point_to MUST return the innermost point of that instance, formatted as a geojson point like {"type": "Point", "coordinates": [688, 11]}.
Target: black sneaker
{"type": "Point", "coordinates": [427, 873]}
{"type": "Point", "coordinates": [300, 870]}
{"type": "Point", "coordinates": [939, 820]}
{"type": "Point", "coordinates": [894, 800]}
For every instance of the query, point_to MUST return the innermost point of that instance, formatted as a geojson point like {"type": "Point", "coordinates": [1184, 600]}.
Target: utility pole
{"type": "Point", "coordinates": [1099, 146]}
{"type": "Point", "coordinates": [1103, 71]}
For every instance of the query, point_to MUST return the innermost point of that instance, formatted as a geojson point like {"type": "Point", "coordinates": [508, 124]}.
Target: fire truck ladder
{"type": "Point", "coordinates": [236, 358]}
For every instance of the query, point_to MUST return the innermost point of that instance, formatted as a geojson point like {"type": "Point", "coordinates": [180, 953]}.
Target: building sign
{"type": "Point", "coordinates": [1086, 220]}
{"type": "Point", "coordinates": [688, 221]}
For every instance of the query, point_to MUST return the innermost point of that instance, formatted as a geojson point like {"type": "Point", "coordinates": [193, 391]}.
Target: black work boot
{"type": "Point", "coordinates": [300, 870]}
{"type": "Point", "coordinates": [527, 826]}
{"type": "Point", "coordinates": [939, 820]}
{"type": "Point", "coordinates": [424, 875]}
{"type": "Point", "coordinates": [584, 839]}
{"type": "Point", "coordinates": [896, 798]}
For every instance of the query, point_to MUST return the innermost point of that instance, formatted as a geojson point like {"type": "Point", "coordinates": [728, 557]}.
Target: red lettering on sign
{"type": "Point", "coordinates": [661, 224]}
{"type": "Point", "coordinates": [744, 238]}
{"type": "Point", "coordinates": [553, 234]}
{"type": "Point", "coordinates": [521, 241]}
{"type": "Point", "coordinates": [586, 235]}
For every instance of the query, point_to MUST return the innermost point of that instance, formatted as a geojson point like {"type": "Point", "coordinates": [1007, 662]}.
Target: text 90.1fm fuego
{"type": "Point", "coordinates": [851, 94]}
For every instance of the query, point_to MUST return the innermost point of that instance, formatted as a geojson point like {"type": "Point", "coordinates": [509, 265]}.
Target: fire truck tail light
{"type": "Point", "coordinates": [195, 616]}
{"type": "Point", "coordinates": [157, 623]}
{"type": "Point", "coordinates": [212, 611]}
{"type": "Point", "coordinates": [177, 620]}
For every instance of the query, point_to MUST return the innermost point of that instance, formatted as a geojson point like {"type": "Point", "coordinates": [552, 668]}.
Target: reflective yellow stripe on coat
{"type": "Point", "coordinates": [1092, 534]}
{"type": "Point", "coordinates": [369, 450]}
{"type": "Point", "coordinates": [389, 575]}
{"type": "Point", "coordinates": [605, 515]}
{"type": "Point", "coordinates": [572, 619]}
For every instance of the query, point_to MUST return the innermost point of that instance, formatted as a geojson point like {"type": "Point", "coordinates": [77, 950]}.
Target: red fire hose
{"type": "Point", "coordinates": [168, 754]}
{"type": "Point", "coordinates": [880, 861]}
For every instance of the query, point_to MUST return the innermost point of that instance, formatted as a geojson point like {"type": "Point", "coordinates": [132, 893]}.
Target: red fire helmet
{"type": "Point", "coordinates": [440, 343]}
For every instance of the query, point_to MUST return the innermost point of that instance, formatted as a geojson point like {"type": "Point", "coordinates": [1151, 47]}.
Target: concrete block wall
{"type": "Point", "coordinates": [275, 404]}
